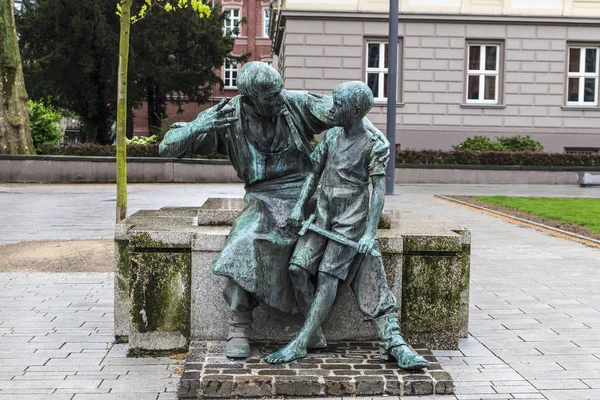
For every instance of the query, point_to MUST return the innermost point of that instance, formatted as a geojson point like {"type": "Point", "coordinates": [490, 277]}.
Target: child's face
{"type": "Point", "coordinates": [342, 112]}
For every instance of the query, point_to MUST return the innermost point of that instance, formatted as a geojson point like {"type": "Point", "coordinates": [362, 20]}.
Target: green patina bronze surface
{"type": "Point", "coordinates": [266, 132]}
{"type": "Point", "coordinates": [341, 247]}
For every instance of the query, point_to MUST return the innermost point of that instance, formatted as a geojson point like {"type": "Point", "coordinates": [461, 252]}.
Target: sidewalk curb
{"type": "Point", "coordinates": [521, 221]}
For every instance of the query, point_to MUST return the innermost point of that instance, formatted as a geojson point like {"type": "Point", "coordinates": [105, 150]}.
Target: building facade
{"type": "Point", "coordinates": [465, 67]}
{"type": "Point", "coordinates": [251, 17]}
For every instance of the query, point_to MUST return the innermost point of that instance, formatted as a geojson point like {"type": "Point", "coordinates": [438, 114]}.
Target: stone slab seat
{"type": "Point", "coordinates": [166, 293]}
{"type": "Point", "coordinates": [588, 178]}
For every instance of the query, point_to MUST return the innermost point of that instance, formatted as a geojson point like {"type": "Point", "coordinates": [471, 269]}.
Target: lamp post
{"type": "Point", "coordinates": [392, 95]}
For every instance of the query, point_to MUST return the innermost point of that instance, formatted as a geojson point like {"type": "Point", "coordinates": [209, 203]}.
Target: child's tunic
{"type": "Point", "coordinates": [343, 199]}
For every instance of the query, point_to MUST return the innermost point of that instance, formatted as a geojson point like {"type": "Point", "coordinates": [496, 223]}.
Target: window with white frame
{"type": "Point", "coordinates": [232, 21]}
{"type": "Point", "coordinates": [266, 20]}
{"type": "Point", "coordinates": [377, 69]}
{"type": "Point", "coordinates": [582, 80]}
{"type": "Point", "coordinates": [483, 73]}
{"type": "Point", "coordinates": [230, 74]}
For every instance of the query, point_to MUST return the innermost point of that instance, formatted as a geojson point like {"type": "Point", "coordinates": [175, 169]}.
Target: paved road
{"type": "Point", "coordinates": [535, 300]}
{"type": "Point", "coordinates": [62, 212]}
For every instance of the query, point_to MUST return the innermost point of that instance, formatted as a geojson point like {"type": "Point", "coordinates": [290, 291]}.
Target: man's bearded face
{"type": "Point", "coordinates": [267, 103]}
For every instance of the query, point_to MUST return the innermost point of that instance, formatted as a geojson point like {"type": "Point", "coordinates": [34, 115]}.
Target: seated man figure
{"type": "Point", "coordinates": [346, 158]}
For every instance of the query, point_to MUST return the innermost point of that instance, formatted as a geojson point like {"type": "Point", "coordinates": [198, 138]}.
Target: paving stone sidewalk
{"type": "Point", "coordinates": [56, 334]}
{"type": "Point", "coordinates": [535, 301]}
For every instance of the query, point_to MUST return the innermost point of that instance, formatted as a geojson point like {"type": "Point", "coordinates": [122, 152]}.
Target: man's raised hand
{"type": "Point", "coordinates": [222, 116]}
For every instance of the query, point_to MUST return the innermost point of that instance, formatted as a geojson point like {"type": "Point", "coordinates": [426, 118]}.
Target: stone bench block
{"type": "Point", "coordinates": [588, 178]}
{"type": "Point", "coordinates": [209, 309]}
{"type": "Point", "coordinates": [160, 294]}
{"type": "Point", "coordinates": [163, 262]}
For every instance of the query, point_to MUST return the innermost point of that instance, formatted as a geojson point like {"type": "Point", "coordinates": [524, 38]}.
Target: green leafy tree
{"type": "Point", "coordinates": [15, 137]}
{"type": "Point", "coordinates": [176, 52]}
{"type": "Point", "coordinates": [44, 121]}
{"type": "Point", "coordinates": [70, 54]}
{"type": "Point", "coordinates": [70, 51]}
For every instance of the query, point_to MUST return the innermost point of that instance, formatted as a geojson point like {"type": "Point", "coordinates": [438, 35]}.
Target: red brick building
{"type": "Point", "coordinates": [253, 38]}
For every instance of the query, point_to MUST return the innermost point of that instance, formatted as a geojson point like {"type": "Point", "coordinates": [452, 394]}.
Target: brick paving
{"type": "Point", "coordinates": [535, 301]}
{"type": "Point", "coordinates": [343, 369]}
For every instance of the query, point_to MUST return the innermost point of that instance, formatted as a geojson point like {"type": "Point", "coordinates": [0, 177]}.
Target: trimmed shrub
{"type": "Point", "coordinates": [145, 140]}
{"type": "Point", "coordinates": [44, 122]}
{"type": "Point", "coordinates": [505, 143]}
{"type": "Point", "coordinates": [479, 143]}
{"type": "Point", "coordinates": [525, 158]}
{"type": "Point", "coordinates": [520, 143]}
{"type": "Point", "coordinates": [98, 150]}
{"type": "Point", "coordinates": [142, 150]}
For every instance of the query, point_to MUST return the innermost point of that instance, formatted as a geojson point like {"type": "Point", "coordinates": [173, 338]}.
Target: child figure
{"type": "Point", "coordinates": [346, 158]}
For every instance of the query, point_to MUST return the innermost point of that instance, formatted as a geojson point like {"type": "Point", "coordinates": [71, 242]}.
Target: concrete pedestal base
{"type": "Point", "coordinates": [166, 293]}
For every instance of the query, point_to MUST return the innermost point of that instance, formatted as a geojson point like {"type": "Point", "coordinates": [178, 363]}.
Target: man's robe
{"type": "Point", "coordinates": [273, 168]}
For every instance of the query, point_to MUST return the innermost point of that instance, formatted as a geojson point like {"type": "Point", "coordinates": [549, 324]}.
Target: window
{"type": "Point", "coordinates": [231, 70]}
{"type": "Point", "coordinates": [266, 20]}
{"type": "Point", "coordinates": [232, 21]}
{"type": "Point", "coordinates": [582, 79]}
{"type": "Point", "coordinates": [377, 69]}
{"type": "Point", "coordinates": [483, 73]}
{"type": "Point", "coordinates": [582, 150]}
{"type": "Point", "coordinates": [175, 96]}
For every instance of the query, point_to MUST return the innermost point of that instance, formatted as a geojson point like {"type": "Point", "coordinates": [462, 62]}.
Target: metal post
{"type": "Point", "coordinates": [392, 95]}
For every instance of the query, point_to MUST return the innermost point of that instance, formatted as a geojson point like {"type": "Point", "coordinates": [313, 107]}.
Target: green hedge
{"type": "Point", "coordinates": [93, 149]}
{"type": "Point", "coordinates": [436, 157]}
{"type": "Point", "coordinates": [98, 150]}
{"type": "Point", "coordinates": [412, 157]}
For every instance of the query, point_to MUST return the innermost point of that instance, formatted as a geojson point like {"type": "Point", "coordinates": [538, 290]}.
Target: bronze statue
{"type": "Point", "coordinates": [345, 221]}
{"type": "Point", "coordinates": [266, 133]}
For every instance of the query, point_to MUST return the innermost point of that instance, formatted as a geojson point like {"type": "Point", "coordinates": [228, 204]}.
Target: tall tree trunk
{"type": "Point", "coordinates": [15, 136]}
{"type": "Point", "coordinates": [122, 110]}
{"type": "Point", "coordinates": [156, 108]}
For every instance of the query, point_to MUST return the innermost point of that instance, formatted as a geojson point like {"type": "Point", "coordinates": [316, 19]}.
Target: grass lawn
{"type": "Point", "coordinates": [584, 212]}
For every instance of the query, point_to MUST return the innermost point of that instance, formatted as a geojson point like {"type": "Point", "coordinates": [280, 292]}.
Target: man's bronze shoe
{"type": "Point", "coordinates": [238, 345]}
{"type": "Point", "coordinates": [407, 359]}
